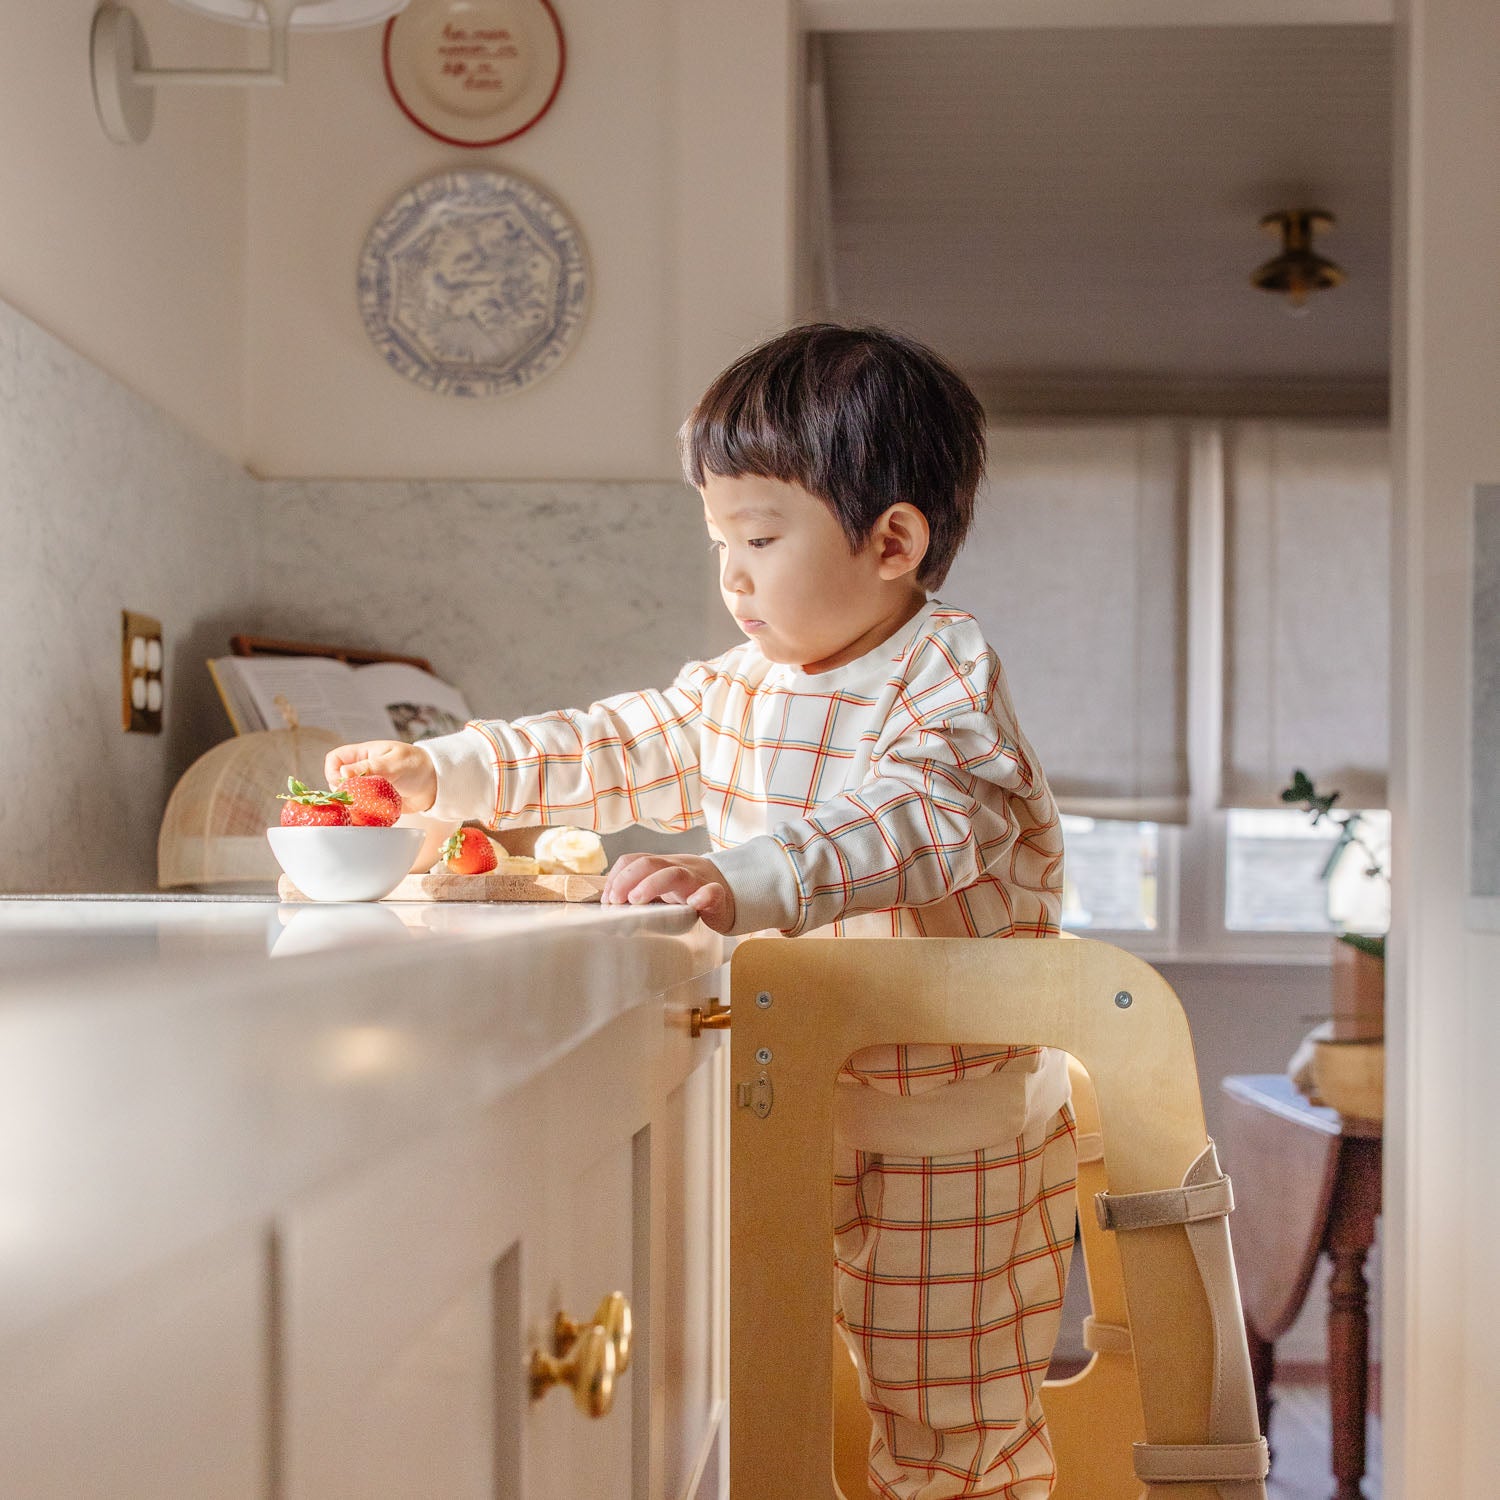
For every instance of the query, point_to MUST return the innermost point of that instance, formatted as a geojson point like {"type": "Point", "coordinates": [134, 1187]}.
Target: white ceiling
{"type": "Point", "coordinates": [1072, 215]}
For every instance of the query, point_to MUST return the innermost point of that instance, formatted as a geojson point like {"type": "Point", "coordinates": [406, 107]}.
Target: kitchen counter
{"type": "Point", "coordinates": [43, 936]}
{"type": "Point", "coordinates": [171, 1070]}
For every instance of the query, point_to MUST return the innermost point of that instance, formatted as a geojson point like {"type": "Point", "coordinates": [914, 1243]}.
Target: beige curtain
{"type": "Point", "coordinates": [1306, 611]}
{"type": "Point", "coordinates": [1077, 570]}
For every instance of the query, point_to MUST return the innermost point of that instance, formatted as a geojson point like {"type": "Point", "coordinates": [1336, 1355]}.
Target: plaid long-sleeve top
{"type": "Point", "coordinates": [892, 796]}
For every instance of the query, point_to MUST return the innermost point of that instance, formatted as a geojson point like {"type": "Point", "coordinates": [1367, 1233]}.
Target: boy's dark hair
{"type": "Point", "coordinates": [860, 417]}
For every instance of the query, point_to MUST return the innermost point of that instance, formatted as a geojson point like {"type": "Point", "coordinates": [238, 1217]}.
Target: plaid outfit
{"type": "Point", "coordinates": [892, 796]}
{"type": "Point", "coordinates": [950, 1276]}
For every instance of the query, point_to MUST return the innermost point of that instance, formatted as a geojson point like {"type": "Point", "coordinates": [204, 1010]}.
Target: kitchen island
{"type": "Point", "coordinates": [290, 1194]}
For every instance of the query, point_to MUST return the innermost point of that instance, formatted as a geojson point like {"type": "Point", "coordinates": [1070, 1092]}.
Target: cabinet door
{"type": "Point", "coordinates": [414, 1294]}
{"type": "Point", "coordinates": [154, 1391]}
{"type": "Point", "coordinates": [400, 1290]}
{"type": "Point", "coordinates": [687, 1149]}
{"type": "Point", "coordinates": [583, 1246]}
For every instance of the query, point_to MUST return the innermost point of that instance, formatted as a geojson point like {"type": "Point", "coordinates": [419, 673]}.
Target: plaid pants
{"type": "Point", "coordinates": [950, 1273]}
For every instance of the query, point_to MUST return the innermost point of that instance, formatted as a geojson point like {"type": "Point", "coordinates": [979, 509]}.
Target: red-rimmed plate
{"type": "Point", "coordinates": [475, 72]}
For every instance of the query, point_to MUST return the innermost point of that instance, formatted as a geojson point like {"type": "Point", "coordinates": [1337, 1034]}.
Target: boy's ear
{"type": "Point", "coordinates": [901, 537]}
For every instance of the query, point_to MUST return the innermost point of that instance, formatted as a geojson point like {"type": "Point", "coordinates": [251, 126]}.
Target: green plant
{"type": "Point", "coordinates": [1320, 807]}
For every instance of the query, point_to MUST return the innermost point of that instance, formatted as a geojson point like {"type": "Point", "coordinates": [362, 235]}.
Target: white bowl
{"type": "Point", "coordinates": [345, 864]}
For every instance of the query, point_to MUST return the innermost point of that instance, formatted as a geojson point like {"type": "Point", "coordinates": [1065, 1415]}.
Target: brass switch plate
{"type": "Point", "coordinates": [141, 663]}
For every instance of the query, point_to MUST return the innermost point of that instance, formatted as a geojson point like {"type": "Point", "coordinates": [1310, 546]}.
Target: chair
{"type": "Point", "coordinates": [1166, 1407]}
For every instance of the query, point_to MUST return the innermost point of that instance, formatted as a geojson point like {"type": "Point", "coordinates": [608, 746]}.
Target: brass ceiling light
{"type": "Point", "coordinates": [1299, 269]}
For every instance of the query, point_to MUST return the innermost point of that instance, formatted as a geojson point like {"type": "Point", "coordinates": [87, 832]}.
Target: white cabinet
{"type": "Point", "coordinates": [413, 1293]}
{"type": "Point", "coordinates": [158, 1390]}
{"type": "Point", "coordinates": [291, 1231]}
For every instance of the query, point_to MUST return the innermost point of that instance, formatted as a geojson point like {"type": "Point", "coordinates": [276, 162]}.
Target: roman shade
{"type": "Point", "coordinates": [1306, 611]}
{"type": "Point", "coordinates": [1076, 568]}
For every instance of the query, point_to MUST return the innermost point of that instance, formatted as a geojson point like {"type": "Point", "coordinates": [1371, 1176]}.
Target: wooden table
{"type": "Point", "coordinates": [1306, 1183]}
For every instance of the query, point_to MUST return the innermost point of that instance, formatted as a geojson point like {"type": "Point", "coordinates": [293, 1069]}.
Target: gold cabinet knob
{"type": "Point", "coordinates": [587, 1357]}
{"type": "Point", "coordinates": [613, 1316]}
{"type": "Point", "coordinates": [588, 1370]}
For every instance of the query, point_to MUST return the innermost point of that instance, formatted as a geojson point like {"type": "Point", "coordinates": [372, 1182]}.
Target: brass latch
{"type": "Point", "coordinates": [756, 1097]}
{"type": "Point", "coordinates": [711, 1016]}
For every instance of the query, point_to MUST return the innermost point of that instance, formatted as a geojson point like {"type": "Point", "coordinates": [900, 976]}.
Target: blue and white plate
{"type": "Point", "coordinates": [473, 284]}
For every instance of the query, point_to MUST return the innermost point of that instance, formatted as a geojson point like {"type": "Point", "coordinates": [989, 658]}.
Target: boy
{"type": "Point", "coordinates": [859, 769]}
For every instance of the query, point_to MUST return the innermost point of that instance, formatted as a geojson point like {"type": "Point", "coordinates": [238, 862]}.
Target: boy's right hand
{"type": "Point", "coordinates": [407, 768]}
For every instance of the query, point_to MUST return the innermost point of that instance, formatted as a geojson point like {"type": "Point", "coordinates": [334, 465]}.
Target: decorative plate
{"type": "Point", "coordinates": [474, 72]}
{"type": "Point", "coordinates": [473, 284]}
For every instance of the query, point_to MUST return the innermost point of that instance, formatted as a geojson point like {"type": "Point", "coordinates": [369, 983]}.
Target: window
{"type": "Point", "coordinates": [1273, 871]}
{"type": "Point", "coordinates": [1240, 883]}
{"type": "Point", "coordinates": [1277, 875]}
{"type": "Point", "coordinates": [1110, 879]}
{"type": "Point", "coordinates": [1188, 611]}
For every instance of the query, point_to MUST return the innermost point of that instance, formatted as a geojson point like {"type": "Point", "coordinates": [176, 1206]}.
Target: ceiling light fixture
{"type": "Point", "coordinates": [1298, 270]}
{"type": "Point", "coordinates": [125, 83]}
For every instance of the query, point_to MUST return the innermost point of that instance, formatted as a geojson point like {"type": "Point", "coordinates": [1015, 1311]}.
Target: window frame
{"type": "Point", "coordinates": [1192, 857]}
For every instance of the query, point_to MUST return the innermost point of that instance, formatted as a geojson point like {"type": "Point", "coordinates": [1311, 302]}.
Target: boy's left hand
{"type": "Point", "coordinates": [678, 880]}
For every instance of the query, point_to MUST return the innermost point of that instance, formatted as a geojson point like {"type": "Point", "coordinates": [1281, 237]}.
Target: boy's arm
{"type": "Point", "coordinates": [907, 836]}
{"type": "Point", "coordinates": [625, 760]}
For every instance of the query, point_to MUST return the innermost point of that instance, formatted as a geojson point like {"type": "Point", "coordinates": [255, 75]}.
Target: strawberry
{"type": "Point", "coordinates": [374, 801]}
{"type": "Point", "coordinates": [306, 808]}
{"type": "Point", "coordinates": [469, 852]}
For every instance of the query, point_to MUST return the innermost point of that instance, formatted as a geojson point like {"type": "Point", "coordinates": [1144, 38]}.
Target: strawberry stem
{"type": "Point", "coordinates": [297, 791]}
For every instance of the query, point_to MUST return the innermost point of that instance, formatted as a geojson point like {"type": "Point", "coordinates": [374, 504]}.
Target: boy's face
{"type": "Point", "coordinates": [789, 579]}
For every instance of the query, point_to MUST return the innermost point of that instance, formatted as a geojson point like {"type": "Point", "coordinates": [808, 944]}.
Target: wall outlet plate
{"type": "Point", "coordinates": [141, 661]}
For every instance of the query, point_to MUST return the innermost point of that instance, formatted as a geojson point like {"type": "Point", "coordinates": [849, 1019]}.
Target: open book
{"type": "Point", "coordinates": [375, 701]}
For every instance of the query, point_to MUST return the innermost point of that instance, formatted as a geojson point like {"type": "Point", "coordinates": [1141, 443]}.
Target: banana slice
{"type": "Point", "coordinates": [569, 851]}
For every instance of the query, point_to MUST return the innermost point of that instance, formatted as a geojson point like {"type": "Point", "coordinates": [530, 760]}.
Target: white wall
{"type": "Point", "coordinates": [212, 267]}
{"type": "Point", "coordinates": [224, 296]}
{"type": "Point", "coordinates": [670, 145]}
{"type": "Point", "coordinates": [105, 504]}
{"type": "Point", "coordinates": [1442, 1220]}
{"type": "Point", "coordinates": [134, 256]}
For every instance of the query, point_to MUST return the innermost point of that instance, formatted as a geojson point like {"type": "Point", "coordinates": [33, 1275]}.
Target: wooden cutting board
{"type": "Point", "coordinates": [495, 887]}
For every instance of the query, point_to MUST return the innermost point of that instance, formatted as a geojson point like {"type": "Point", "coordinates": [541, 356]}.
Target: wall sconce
{"type": "Point", "coordinates": [1298, 270]}
{"type": "Point", "coordinates": [125, 83]}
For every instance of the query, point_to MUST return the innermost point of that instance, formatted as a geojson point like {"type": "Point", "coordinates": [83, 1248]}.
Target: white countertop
{"type": "Point", "coordinates": [51, 935]}
{"type": "Point", "coordinates": [170, 1068]}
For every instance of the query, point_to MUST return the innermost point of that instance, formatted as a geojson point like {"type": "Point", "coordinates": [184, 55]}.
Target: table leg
{"type": "Point", "coordinates": [1348, 1367]}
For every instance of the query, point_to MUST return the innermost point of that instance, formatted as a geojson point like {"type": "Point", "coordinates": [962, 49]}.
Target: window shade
{"type": "Point", "coordinates": [1076, 569]}
{"type": "Point", "coordinates": [1307, 612]}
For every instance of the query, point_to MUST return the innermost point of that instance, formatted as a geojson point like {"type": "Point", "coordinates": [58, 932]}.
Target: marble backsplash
{"type": "Point", "coordinates": [525, 595]}
{"type": "Point", "coordinates": [105, 504]}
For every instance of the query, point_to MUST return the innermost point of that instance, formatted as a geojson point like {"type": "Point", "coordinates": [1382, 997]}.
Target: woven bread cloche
{"type": "Point", "coordinates": [213, 833]}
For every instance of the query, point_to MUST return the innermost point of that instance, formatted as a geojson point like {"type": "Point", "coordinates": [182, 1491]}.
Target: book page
{"type": "Point", "coordinates": [325, 694]}
{"type": "Point", "coordinates": [234, 694]}
{"type": "Point", "coordinates": [418, 704]}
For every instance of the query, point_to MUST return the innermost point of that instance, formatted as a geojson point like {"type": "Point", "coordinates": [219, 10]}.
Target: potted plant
{"type": "Point", "coordinates": [1358, 957]}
